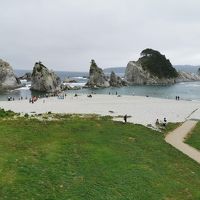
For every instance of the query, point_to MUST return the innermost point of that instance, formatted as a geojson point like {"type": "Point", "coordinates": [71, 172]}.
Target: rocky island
{"type": "Point", "coordinates": [44, 80]}
{"type": "Point", "coordinates": [154, 68]}
{"type": "Point", "coordinates": [116, 81]}
{"type": "Point", "coordinates": [8, 80]}
{"type": "Point", "coordinates": [97, 78]}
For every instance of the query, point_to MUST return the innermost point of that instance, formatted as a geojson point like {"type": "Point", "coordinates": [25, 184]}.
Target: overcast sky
{"type": "Point", "coordinates": [67, 34]}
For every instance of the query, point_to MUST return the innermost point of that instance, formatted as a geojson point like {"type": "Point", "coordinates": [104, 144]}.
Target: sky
{"type": "Point", "coordinates": [67, 34]}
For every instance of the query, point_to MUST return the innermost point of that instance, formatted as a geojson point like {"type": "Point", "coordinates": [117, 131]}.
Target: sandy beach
{"type": "Point", "coordinates": [142, 110]}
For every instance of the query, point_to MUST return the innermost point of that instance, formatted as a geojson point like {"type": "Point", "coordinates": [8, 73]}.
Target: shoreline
{"type": "Point", "coordinates": [143, 110]}
{"type": "Point", "coordinates": [187, 91]}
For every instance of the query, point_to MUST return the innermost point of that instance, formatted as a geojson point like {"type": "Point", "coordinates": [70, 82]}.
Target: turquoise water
{"type": "Point", "coordinates": [186, 91]}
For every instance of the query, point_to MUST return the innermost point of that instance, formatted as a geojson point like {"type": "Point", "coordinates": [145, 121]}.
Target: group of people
{"type": "Point", "coordinates": [164, 123]}
{"type": "Point", "coordinates": [116, 93]}
{"type": "Point", "coordinates": [33, 99]}
{"type": "Point", "coordinates": [177, 98]}
{"type": "Point", "coordinates": [13, 98]}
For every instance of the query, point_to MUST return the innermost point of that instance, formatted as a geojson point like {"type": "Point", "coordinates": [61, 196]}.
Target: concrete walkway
{"type": "Point", "coordinates": [176, 139]}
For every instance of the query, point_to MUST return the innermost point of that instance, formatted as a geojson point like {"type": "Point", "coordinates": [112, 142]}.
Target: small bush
{"type": "Point", "coordinates": [26, 115]}
{"type": "Point", "coordinates": [8, 113]}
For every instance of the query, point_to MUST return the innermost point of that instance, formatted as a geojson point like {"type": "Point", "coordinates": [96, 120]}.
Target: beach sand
{"type": "Point", "coordinates": [143, 110]}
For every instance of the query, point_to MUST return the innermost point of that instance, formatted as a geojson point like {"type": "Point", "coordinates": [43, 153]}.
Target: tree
{"type": "Point", "coordinates": [157, 64]}
{"type": "Point", "coordinates": [93, 63]}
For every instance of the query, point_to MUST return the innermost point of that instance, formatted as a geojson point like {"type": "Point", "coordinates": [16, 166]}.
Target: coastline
{"type": "Point", "coordinates": [142, 110]}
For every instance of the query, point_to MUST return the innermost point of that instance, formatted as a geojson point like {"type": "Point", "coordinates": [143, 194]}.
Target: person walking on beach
{"type": "Point", "coordinates": [125, 118]}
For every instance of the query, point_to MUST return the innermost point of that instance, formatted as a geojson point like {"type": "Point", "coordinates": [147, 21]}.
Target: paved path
{"type": "Point", "coordinates": [176, 139]}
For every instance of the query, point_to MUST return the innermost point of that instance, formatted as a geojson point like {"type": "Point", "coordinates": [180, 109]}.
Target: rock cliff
{"type": "Point", "coordinates": [96, 77]}
{"type": "Point", "coordinates": [135, 74]}
{"type": "Point", "coordinates": [116, 81]}
{"type": "Point", "coordinates": [8, 79]}
{"type": "Point", "coordinates": [44, 80]}
{"type": "Point", "coordinates": [153, 68]}
{"type": "Point", "coordinates": [187, 77]}
{"type": "Point", "coordinates": [27, 76]}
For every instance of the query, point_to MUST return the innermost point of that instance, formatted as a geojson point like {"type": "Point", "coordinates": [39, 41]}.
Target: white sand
{"type": "Point", "coordinates": [143, 110]}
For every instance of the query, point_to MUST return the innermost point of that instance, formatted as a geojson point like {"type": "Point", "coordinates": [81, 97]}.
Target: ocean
{"type": "Point", "coordinates": [186, 91]}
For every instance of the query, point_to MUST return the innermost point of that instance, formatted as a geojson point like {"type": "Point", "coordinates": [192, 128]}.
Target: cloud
{"type": "Point", "coordinates": [67, 34]}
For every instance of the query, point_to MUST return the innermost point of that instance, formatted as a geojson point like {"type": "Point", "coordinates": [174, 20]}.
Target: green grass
{"type": "Point", "coordinates": [6, 114]}
{"type": "Point", "coordinates": [194, 137]}
{"type": "Point", "coordinates": [170, 127]}
{"type": "Point", "coordinates": [88, 158]}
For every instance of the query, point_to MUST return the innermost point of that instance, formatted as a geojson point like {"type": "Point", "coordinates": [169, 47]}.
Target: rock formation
{"type": "Point", "coordinates": [27, 76]}
{"type": "Point", "coordinates": [8, 79]}
{"type": "Point", "coordinates": [96, 77]}
{"type": "Point", "coordinates": [69, 80]}
{"type": "Point", "coordinates": [44, 80]}
{"type": "Point", "coordinates": [116, 81]}
{"type": "Point", "coordinates": [153, 68]}
{"type": "Point", "coordinates": [187, 77]}
{"type": "Point", "coordinates": [135, 74]}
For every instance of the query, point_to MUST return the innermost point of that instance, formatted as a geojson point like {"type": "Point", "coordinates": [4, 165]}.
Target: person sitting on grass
{"type": "Point", "coordinates": [165, 122]}
{"type": "Point", "coordinates": [157, 122]}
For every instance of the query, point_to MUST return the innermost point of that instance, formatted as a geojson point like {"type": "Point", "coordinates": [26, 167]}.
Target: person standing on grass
{"type": "Point", "coordinates": [125, 118]}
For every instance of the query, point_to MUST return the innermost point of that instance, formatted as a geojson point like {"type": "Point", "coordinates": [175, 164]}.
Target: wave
{"type": "Point", "coordinates": [192, 85]}
{"type": "Point", "coordinates": [27, 87]}
{"type": "Point", "coordinates": [79, 77]}
{"type": "Point", "coordinates": [75, 84]}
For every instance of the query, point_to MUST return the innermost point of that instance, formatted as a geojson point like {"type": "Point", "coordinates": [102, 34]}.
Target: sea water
{"type": "Point", "coordinates": [186, 90]}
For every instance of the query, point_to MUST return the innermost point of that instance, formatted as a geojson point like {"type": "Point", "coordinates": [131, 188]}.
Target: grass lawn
{"type": "Point", "coordinates": [194, 138]}
{"type": "Point", "coordinates": [87, 159]}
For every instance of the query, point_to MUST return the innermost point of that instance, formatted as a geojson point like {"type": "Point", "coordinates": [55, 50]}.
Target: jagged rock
{"type": "Point", "coordinates": [27, 76]}
{"type": "Point", "coordinates": [44, 80]}
{"type": "Point", "coordinates": [187, 77]}
{"type": "Point", "coordinates": [68, 87]}
{"type": "Point", "coordinates": [65, 87]}
{"type": "Point", "coordinates": [8, 79]}
{"type": "Point", "coordinates": [69, 80]}
{"type": "Point", "coordinates": [116, 81]}
{"type": "Point", "coordinates": [96, 77]}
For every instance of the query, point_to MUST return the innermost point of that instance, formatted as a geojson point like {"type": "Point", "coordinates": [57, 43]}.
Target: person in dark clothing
{"type": "Point", "coordinates": [165, 122]}
{"type": "Point", "coordinates": [125, 118]}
